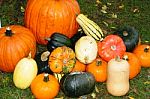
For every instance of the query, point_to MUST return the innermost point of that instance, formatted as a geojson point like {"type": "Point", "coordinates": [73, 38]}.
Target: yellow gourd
{"type": "Point", "coordinates": [86, 49]}
{"type": "Point", "coordinates": [118, 77]}
{"type": "Point", "coordinates": [25, 71]}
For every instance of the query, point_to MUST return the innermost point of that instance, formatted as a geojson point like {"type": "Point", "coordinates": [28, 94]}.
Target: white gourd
{"type": "Point", "coordinates": [25, 71]}
{"type": "Point", "coordinates": [86, 49]}
{"type": "Point", "coordinates": [118, 77]}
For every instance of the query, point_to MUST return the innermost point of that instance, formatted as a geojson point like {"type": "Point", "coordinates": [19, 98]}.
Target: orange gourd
{"type": "Point", "coordinates": [79, 67]}
{"type": "Point", "coordinates": [62, 60]}
{"type": "Point", "coordinates": [45, 86]}
{"type": "Point", "coordinates": [44, 17]}
{"type": "Point", "coordinates": [134, 62]}
{"type": "Point", "coordinates": [99, 69]}
{"type": "Point", "coordinates": [143, 53]}
{"type": "Point", "coordinates": [16, 42]}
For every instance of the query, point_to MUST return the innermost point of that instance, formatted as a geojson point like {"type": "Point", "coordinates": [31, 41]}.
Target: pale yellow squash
{"type": "Point", "coordinates": [25, 71]}
{"type": "Point", "coordinates": [118, 77]}
{"type": "Point", "coordinates": [86, 49]}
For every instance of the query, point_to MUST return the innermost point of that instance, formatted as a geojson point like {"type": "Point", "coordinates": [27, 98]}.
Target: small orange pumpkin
{"type": "Point", "coordinates": [99, 69]}
{"type": "Point", "coordinates": [134, 62]}
{"type": "Point", "coordinates": [79, 66]}
{"type": "Point", "coordinates": [62, 59]}
{"type": "Point", "coordinates": [45, 86]}
{"type": "Point", "coordinates": [143, 53]}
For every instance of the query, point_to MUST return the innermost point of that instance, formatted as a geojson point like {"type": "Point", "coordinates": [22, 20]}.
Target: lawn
{"type": "Point", "coordinates": [109, 15]}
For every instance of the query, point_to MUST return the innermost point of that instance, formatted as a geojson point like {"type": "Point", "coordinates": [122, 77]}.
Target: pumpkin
{"type": "Point", "coordinates": [42, 62]}
{"type": "Point", "coordinates": [45, 86]}
{"type": "Point", "coordinates": [79, 67]}
{"type": "Point", "coordinates": [143, 53]}
{"type": "Point", "coordinates": [15, 43]}
{"type": "Point", "coordinates": [111, 47]}
{"type": "Point", "coordinates": [134, 62]}
{"type": "Point", "coordinates": [130, 37]}
{"type": "Point", "coordinates": [77, 84]}
{"type": "Point", "coordinates": [25, 71]}
{"type": "Point", "coordinates": [86, 49]}
{"type": "Point", "coordinates": [117, 77]}
{"type": "Point", "coordinates": [62, 60]}
{"type": "Point", "coordinates": [99, 69]}
{"type": "Point", "coordinates": [46, 17]}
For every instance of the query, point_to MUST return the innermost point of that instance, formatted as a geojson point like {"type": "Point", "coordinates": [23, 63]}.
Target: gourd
{"type": "Point", "coordinates": [25, 71]}
{"type": "Point", "coordinates": [118, 77]}
{"type": "Point", "coordinates": [62, 60]}
{"type": "Point", "coordinates": [90, 28]}
{"type": "Point", "coordinates": [86, 49]}
{"type": "Point", "coordinates": [45, 86]}
{"type": "Point", "coordinates": [77, 84]}
{"type": "Point", "coordinates": [110, 47]}
{"type": "Point", "coordinates": [130, 37]}
{"type": "Point", "coordinates": [134, 62]}
{"type": "Point", "coordinates": [79, 67]}
{"type": "Point", "coordinates": [58, 40]}
{"type": "Point", "coordinates": [99, 69]}
{"type": "Point", "coordinates": [42, 62]}
{"type": "Point", "coordinates": [143, 53]}
{"type": "Point", "coordinates": [44, 17]}
{"type": "Point", "coordinates": [15, 43]}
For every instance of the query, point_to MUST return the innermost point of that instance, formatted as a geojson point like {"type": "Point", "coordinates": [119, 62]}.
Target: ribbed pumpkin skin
{"type": "Point", "coordinates": [14, 48]}
{"type": "Point", "coordinates": [44, 17]}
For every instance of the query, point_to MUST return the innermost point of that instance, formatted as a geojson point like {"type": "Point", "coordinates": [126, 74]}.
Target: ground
{"type": "Point", "coordinates": [109, 15]}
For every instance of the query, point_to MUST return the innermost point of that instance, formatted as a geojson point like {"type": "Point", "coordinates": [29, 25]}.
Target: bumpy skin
{"type": "Point", "coordinates": [77, 84]}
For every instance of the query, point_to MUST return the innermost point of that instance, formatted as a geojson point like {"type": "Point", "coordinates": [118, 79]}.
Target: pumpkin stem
{"type": "Point", "coordinates": [8, 32]}
{"type": "Point", "coordinates": [46, 77]}
{"type": "Point", "coordinates": [29, 56]}
{"type": "Point", "coordinates": [146, 49]}
{"type": "Point", "coordinates": [113, 47]}
{"type": "Point", "coordinates": [98, 62]}
{"type": "Point", "coordinates": [125, 33]}
{"type": "Point", "coordinates": [44, 56]}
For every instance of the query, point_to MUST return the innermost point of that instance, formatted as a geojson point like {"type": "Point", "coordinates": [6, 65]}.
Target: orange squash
{"type": "Point", "coordinates": [134, 62]}
{"type": "Point", "coordinates": [62, 60]}
{"type": "Point", "coordinates": [79, 67]}
{"type": "Point", "coordinates": [99, 69]}
{"type": "Point", "coordinates": [45, 86]}
{"type": "Point", "coordinates": [16, 42]}
{"type": "Point", "coordinates": [44, 17]}
{"type": "Point", "coordinates": [143, 53]}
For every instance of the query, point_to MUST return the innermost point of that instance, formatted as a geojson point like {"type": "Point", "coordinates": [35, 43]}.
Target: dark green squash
{"type": "Point", "coordinates": [130, 37]}
{"type": "Point", "coordinates": [77, 84]}
{"type": "Point", "coordinates": [42, 62]}
{"type": "Point", "coordinates": [58, 40]}
{"type": "Point", "coordinates": [76, 37]}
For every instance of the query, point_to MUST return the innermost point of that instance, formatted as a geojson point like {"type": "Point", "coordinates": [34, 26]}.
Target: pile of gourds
{"type": "Point", "coordinates": [75, 59]}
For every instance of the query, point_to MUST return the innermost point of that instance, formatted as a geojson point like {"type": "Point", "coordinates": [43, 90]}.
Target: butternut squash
{"type": "Point", "coordinates": [117, 77]}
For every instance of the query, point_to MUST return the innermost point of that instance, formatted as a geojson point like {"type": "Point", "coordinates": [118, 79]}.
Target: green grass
{"type": "Point", "coordinates": [133, 12]}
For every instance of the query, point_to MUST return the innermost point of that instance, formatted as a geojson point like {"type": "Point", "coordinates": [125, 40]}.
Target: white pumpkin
{"type": "Point", "coordinates": [25, 71]}
{"type": "Point", "coordinates": [118, 77]}
{"type": "Point", "coordinates": [86, 49]}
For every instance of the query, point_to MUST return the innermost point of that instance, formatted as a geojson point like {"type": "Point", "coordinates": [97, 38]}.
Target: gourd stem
{"type": "Point", "coordinates": [113, 47]}
{"type": "Point", "coordinates": [48, 39]}
{"type": "Point", "coordinates": [125, 33]}
{"type": "Point", "coordinates": [8, 32]}
{"type": "Point", "coordinates": [29, 56]}
{"type": "Point", "coordinates": [125, 57]}
{"type": "Point", "coordinates": [146, 49]}
{"type": "Point", "coordinates": [117, 58]}
{"type": "Point", "coordinates": [46, 77]}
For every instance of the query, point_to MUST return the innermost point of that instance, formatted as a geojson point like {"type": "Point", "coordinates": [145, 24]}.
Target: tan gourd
{"type": "Point", "coordinates": [25, 71]}
{"type": "Point", "coordinates": [118, 77]}
{"type": "Point", "coordinates": [86, 49]}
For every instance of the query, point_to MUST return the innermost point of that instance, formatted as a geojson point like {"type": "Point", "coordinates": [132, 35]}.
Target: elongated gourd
{"type": "Point", "coordinates": [118, 77]}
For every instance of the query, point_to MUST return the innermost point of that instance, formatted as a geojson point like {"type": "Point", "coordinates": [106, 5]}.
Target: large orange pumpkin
{"type": "Point", "coordinates": [44, 17]}
{"type": "Point", "coordinates": [134, 62]}
{"type": "Point", "coordinates": [143, 53]}
{"type": "Point", "coordinates": [15, 43]}
{"type": "Point", "coordinates": [99, 69]}
{"type": "Point", "coordinates": [62, 60]}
